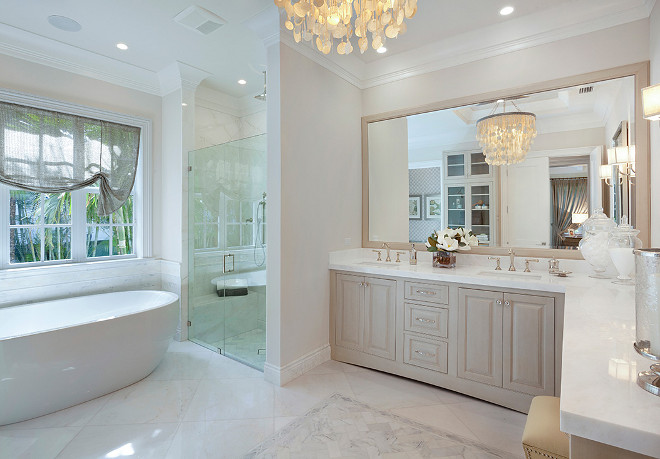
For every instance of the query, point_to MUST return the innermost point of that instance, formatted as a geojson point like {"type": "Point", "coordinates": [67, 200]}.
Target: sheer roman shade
{"type": "Point", "coordinates": [52, 152]}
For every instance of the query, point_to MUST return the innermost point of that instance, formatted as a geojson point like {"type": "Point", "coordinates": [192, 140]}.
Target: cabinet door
{"type": "Point", "coordinates": [349, 311]}
{"type": "Point", "coordinates": [480, 336]}
{"type": "Point", "coordinates": [379, 318]}
{"type": "Point", "coordinates": [529, 344]}
{"type": "Point", "coordinates": [455, 165]}
{"type": "Point", "coordinates": [480, 213]}
{"type": "Point", "coordinates": [455, 196]}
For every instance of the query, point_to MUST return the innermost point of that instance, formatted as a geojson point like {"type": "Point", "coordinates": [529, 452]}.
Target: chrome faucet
{"type": "Point", "coordinates": [386, 246]}
{"type": "Point", "coordinates": [512, 256]}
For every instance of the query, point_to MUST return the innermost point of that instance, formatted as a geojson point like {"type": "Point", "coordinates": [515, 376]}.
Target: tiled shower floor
{"type": "Point", "coordinates": [248, 348]}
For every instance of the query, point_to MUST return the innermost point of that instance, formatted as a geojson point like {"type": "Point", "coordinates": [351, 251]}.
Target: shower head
{"type": "Point", "coordinates": [262, 96]}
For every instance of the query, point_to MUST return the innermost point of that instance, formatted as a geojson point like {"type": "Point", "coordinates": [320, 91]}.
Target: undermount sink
{"type": "Point", "coordinates": [380, 264]}
{"type": "Point", "coordinates": [510, 275]}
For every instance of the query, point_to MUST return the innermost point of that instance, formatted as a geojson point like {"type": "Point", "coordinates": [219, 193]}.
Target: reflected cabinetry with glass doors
{"type": "Point", "coordinates": [469, 188]}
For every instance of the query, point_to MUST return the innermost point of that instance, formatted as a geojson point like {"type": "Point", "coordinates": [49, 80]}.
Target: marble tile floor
{"type": "Point", "coordinates": [199, 404]}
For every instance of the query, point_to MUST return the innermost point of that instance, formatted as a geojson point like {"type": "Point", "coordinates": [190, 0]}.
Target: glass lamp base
{"type": "Point", "coordinates": [649, 381]}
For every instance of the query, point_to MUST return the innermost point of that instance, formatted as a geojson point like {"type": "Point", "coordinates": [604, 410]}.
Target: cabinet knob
{"type": "Point", "coordinates": [499, 302]}
{"type": "Point", "coordinates": [506, 303]}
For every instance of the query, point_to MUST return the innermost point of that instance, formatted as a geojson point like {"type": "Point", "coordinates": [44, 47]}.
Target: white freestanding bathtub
{"type": "Point", "coordinates": [57, 354]}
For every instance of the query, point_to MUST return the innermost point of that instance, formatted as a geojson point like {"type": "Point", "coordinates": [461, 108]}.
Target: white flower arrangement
{"type": "Point", "coordinates": [451, 240]}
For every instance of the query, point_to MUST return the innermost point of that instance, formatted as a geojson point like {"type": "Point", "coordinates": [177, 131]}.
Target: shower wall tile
{"type": "Point", "coordinates": [214, 127]}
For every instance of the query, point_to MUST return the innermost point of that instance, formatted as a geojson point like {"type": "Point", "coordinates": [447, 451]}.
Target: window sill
{"type": "Point", "coordinates": [73, 268]}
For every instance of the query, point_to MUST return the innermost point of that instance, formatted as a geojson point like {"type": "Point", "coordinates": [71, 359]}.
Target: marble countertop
{"type": "Point", "coordinates": [600, 399]}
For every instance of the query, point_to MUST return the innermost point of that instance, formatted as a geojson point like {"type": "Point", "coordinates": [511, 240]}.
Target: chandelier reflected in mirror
{"type": "Point", "coordinates": [330, 20]}
{"type": "Point", "coordinates": [506, 137]}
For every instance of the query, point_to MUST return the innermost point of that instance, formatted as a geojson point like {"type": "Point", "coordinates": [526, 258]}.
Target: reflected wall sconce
{"type": "Point", "coordinates": [651, 102]}
{"type": "Point", "coordinates": [624, 157]}
{"type": "Point", "coordinates": [610, 173]}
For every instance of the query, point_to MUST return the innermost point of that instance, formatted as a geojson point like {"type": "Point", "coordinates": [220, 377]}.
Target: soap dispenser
{"type": "Point", "coordinates": [413, 255]}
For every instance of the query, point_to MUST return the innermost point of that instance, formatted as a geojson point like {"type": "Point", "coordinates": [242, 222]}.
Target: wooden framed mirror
{"type": "Point", "coordinates": [536, 206]}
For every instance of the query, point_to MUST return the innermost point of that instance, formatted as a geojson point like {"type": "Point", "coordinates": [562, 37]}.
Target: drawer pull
{"type": "Point", "coordinates": [425, 321]}
{"type": "Point", "coordinates": [424, 354]}
{"type": "Point", "coordinates": [424, 292]}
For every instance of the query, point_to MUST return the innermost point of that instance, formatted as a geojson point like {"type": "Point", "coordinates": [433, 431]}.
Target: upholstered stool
{"type": "Point", "coordinates": [542, 438]}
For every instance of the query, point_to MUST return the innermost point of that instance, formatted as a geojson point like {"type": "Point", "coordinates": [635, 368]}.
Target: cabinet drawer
{"type": "Point", "coordinates": [425, 353]}
{"type": "Point", "coordinates": [432, 293]}
{"type": "Point", "coordinates": [425, 319]}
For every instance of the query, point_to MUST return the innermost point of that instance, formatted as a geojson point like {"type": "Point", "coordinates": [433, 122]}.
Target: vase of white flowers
{"type": "Point", "coordinates": [444, 245]}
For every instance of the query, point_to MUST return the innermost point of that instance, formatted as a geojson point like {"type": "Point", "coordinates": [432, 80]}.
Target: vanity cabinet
{"type": "Point", "coordinates": [365, 313]}
{"type": "Point", "coordinates": [507, 340]}
{"type": "Point", "coordinates": [502, 345]}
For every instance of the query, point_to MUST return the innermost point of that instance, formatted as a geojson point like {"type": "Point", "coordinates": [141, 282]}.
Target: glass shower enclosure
{"type": "Point", "coordinates": [227, 249]}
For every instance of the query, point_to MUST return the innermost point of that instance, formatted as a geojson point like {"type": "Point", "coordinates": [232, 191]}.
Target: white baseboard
{"type": "Point", "coordinates": [282, 375]}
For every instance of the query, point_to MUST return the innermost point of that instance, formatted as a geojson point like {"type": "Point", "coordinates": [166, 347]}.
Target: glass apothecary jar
{"type": "Point", "coordinates": [647, 302]}
{"type": "Point", "coordinates": [594, 244]}
{"type": "Point", "coordinates": [622, 241]}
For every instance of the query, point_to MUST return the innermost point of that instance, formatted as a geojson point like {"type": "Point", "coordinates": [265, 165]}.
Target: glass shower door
{"type": "Point", "coordinates": [206, 303]}
{"type": "Point", "coordinates": [227, 251]}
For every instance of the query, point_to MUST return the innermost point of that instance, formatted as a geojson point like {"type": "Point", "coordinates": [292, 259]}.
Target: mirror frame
{"type": "Point", "coordinates": [641, 72]}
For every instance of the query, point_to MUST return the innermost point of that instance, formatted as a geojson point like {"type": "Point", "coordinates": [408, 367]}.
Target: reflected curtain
{"type": "Point", "coordinates": [53, 152]}
{"type": "Point", "coordinates": [569, 196]}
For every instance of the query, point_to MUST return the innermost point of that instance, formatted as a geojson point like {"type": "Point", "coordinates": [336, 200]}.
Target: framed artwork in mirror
{"type": "Point", "coordinates": [433, 207]}
{"type": "Point", "coordinates": [415, 207]}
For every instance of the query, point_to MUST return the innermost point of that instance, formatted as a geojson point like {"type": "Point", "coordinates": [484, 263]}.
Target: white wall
{"type": "Point", "coordinates": [388, 180]}
{"type": "Point", "coordinates": [321, 197]}
{"type": "Point", "coordinates": [654, 42]}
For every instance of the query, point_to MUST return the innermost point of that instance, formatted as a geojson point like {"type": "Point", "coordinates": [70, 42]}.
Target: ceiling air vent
{"type": "Point", "coordinates": [586, 89]}
{"type": "Point", "coordinates": [199, 19]}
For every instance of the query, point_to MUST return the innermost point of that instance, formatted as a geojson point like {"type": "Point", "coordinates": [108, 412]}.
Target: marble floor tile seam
{"type": "Point", "coordinates": [82, 429]}
{"type": "Point", "coordinates": [91, 416]}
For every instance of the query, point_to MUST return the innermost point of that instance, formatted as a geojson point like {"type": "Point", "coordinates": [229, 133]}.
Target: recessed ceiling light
{"type": "Point", "coordinates": [183, 104]}
{"type": "Point", "coordinates": [242, 82]}
{"type": "Point", "coordinates": [122, 46]}
{"type": "Point", "coordinates": [381, 50]}
{"type": "Point", "coordinates": [64, 23]}
{"type": "Point", "coordinates": [507, 10]}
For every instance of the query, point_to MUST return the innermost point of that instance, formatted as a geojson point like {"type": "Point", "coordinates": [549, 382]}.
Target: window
{"type": "Point", "coordinates": [43, 229]}
{"type": "Point", "coordinates": [242, 225]}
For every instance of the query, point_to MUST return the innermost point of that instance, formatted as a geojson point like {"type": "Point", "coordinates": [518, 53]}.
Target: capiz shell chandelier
{"type": "Point", "coordinates": [506, 137]}
{"type": "Point", "coordinates": [331, 20]}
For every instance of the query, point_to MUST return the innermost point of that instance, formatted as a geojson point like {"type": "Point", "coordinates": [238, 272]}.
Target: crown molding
{"type": "Point", "coordinates": [34, 48]}
{"type": "Point", "coordinates": [178, 75]}
{"type": "Point", "coordinates": [471, 50]}
{"type": "Point", "coordinates": [458, 50]}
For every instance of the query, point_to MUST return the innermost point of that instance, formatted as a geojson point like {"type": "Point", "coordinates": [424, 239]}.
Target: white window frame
{"type": "Point", "coordinates": [142, 203]}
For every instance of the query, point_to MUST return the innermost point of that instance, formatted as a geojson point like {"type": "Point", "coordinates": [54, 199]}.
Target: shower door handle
{"type": "Point", "coordinates": [224, 263]}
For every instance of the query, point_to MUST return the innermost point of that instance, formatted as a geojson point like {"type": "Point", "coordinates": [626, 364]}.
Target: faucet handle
{"type": "Point", "coordinates": [528, 261]}
{"type": "Point", "coordinates": [397, 256]}
{"type": "Point", "coordinates": [553, 265]}
{"type": "Point", "coordinates": [497, 268]}
{"type": "Point", "coordinates": [379, 253]}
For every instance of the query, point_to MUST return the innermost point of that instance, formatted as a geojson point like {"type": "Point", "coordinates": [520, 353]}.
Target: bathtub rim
{"type": "Point", "coordinates": [50, 330]}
